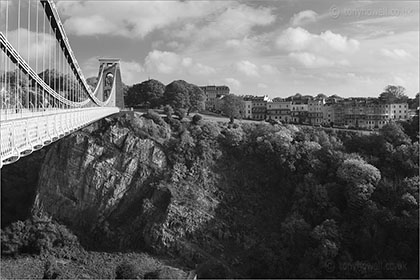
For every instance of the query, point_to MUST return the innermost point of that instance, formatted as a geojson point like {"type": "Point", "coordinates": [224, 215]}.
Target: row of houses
{"type": "Point", "coordinates": [366, 113]}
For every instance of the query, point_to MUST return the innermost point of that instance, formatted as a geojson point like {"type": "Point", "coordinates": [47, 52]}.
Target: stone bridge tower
{"type": "Point", "coordinates": [111, 74]}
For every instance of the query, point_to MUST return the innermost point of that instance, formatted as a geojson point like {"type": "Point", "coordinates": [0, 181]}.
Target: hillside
{"type": "Point", "coordinates": [247, 201]}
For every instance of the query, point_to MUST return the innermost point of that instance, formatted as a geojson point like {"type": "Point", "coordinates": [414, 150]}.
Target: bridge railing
{"type": "Point", "coordinates": [23, 136]}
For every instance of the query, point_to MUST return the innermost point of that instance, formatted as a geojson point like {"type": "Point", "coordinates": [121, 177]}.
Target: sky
{"type": "Point", "coordinates": [277, 47]}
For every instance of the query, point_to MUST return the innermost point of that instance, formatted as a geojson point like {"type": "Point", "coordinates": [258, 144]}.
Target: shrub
{"type": "Point", "coordinates": [38, 235]}
{"type": "Point", "coordinates": [181, 113]}
{"type": "Point", "coordinates": [51, 270]}
{"type": "Point", "coordinates": [155, 117]}
{"type": "Point", "coordinates": [176, 125]}
{"type": "Point", "coordinates": [166, 272]}
{"type": "Point", "coordinates": [126, 270]}
{"type": "Point", "coordinates": [212, 270]}
{"type": "Point", "coordinates": [196, 119]}
{"type": "Point", "coordinates": [168, 111]}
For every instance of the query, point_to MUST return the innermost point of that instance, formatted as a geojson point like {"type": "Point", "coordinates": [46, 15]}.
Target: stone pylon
{"type": "Point", "coordinates": [111, 67]}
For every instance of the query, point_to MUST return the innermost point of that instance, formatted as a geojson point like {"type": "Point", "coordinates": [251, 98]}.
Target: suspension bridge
{"type": "Point", "coordinates": [44, 95]}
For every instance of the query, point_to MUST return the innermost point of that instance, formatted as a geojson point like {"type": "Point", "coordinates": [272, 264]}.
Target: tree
{"type": "Point", "coordinates": [361, 179]}
{"type": "Point", "coordinates": [394, 134]}
{"type": "Point", "coordinates": [176, 95]}
{"type": "Point", "coordinates": [414, 102]}
{"type": "Point", "coordinates": [92, 82]}
{"type": "Point", "coordinates": [278, 99]}
{"type": "Point", "coordinates": [197, 99]}
{"type": "Point", "coordinates": [321, 96]}
{"type": "Point", "coordinates": [180, 94]}
{"type": "Point", "coordinates": [232, 106]}
{"type": "Point", "coordinates": [148, 93]}
{"type": "Point", "coordinates": [393, 94]}
{"type": "Point", "coordinates": [168, 111]}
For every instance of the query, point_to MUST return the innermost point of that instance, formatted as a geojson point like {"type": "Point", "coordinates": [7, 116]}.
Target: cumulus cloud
{"type": "Point", "coordinates": [236, 21]}
{"type": "Point", "coordinates": [165, 62]}
{"type": "Point", "coordinates": [248, 68]}
{"type": "Point", "coordinates": [131, 71]}
{"type": "Point", "coordinates": [311, 60]}
{"type": "Point", "coordinates": [304, 17]}
{"type": "Point", "coordinates": [299, 39]}
{"type": "Point", "coordinates": [216, 19]}
{"type": "Point", "coordinates": [269, 69]}
{"type": "Point", "coordinates": [395, 53]}
{"type": "Point", "coordinates": [37, 45]}
{"type": "Point", "coordinates": [233, 83]}
{"type": "Point", "coordinates": [133, 18]}
{"type": "Point", "coordinates": [262, 85]}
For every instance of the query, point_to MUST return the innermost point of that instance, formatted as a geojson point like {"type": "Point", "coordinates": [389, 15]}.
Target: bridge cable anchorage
{"type": "Point", "coordinates": [44, 95]}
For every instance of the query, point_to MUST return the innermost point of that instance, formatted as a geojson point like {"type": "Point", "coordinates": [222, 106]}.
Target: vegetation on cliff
{"type": "Point", "coordinates": [250, 200]}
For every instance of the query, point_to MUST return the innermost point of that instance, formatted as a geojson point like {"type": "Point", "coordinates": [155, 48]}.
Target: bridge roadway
{"type": "Point", "coordinates": [25, 132]}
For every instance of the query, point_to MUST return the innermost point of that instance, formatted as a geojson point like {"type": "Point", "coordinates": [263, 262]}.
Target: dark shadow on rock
{"type": "Point", "coordinates": [18, 187]}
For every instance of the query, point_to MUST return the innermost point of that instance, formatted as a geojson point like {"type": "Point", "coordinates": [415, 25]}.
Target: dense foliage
{"type": "Point", "coordinates": [182, 95]}
{"type": "Point", "coordinates": [305, 203]}
{"type": "Point", "coordinates": [232, 106]}
{"type": "Point", "coordinates": [148, 93]}
{"type": "Point", "coordinates": [273, 201]}
{"type": "Point", "coordinates": [39, 235]}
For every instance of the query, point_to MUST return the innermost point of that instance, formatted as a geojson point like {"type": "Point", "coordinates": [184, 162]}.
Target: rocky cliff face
{"type": "Point", "coordinates": [112, 183]}
{"type": "Point", "coordinates": [130, 182]}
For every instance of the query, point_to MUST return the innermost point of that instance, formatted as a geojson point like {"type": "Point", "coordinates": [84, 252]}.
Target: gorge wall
{"type": "Point", "coordinates": [253, 200]}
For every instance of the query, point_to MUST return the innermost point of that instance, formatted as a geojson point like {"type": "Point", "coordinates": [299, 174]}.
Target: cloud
{"type": "Point", "coordinates": [262, 85]}
{"type": "Point", "coordinates": [299, 39]}
{"type": "Point", "coordinates": [269, 69]}
{"type": "Point", "coordinates": [91, 25]}
{"type": "Point", "coordinates": [131, 71]}
{"type": "Point", "coordinates": [233, 83]}
{"type": "Point", "coordinates": [310, 60]}
{"type": "Point", "coordinates": [132, 18]}
{"type": "Point", "coordinates": [395, 53]}
{"type": "Point", "coordinates": [202, 69]}
{"type": "Point", "coordinates": [304, 17]}
{"type": "Point", "coordinates": [234, 22]}
{"type": "Point", "coordinates": [248, 68]}
{"type": "Point", "coordinates": [37, 45]}
{"type": "Point", "coordinates": [165, 62]}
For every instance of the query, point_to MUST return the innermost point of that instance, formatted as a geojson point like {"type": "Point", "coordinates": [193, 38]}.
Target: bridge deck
{"type": "Point", "coordinates": [24, 133]}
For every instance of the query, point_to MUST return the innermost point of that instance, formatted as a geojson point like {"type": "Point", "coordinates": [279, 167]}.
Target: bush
{"type": "Point", "coordinates": [166, 272]}
{"type": "Point", "coordinates": [155, 117]}
{"type": "Point", "coordinates": [196, 119]}
{"type": "Point", "coordinates": [51, 270]}
{"type": "Point", "coordinates": [38, 235]}
{"type": "Point", "coordinates": [168, 111]}
{"type": "Point", "coordinates": [176, 125]}
{"type": "Point", "coordinates": [212, 270]}
{"type": "Point", "coordinates": [126, 270]}
{"type": "Point", "coordinates": [181, 113]}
